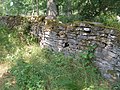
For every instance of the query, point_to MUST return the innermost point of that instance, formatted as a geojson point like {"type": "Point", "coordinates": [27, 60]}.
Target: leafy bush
{"type": "Point", "coordinates": [69, 19]}
{"type": "Point", "coordinates": [53, 71]}
{"type": "Point", "coordinates": [42, 69]}
{"type": "Point", "coordinates": [109, 19]}
{"type": "Point", "coordinates": [116, 86]}
{"type": "Point", "coordinates": [7, 42]}
{"type": "Point", "coordinates": [12, 42]}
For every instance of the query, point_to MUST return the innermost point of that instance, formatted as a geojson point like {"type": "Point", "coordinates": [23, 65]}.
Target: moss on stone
{"type": "Point", "coordinates": [97, 24]}
{"type": "Point", "coordinates": [53, 24]}
{"type": "Point", "coordinates": [111, 72]}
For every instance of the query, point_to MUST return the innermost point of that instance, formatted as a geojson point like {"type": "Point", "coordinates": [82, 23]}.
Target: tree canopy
{"type": "Point", "coordinates": [80, 9]}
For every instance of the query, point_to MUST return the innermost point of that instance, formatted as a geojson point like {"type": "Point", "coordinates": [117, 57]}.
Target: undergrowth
{"type": "Point", "coordinates": [109, 20]}
{"type": "Point", "coordinates": [12, 42]}
{"type": "Point", "coordinates": [41, 69]}
{"type": "Point", "coordinates": [48, 70]}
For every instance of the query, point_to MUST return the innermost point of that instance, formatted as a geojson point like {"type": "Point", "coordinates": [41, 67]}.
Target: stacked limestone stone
{"type": "Point", "coordinates": [75, 37]}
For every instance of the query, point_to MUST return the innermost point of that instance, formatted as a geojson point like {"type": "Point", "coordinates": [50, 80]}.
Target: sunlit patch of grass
{"type": "Point", "coordinates": [7, 82]}
{"type": "Point", "coordinates": [65, 73]}
{"type": "Point", "coordinates": [33, 68]}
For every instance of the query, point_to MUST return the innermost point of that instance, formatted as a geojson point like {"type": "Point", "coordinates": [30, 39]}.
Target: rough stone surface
{"type": "Point", "coordinates": [75, 37]}
{"type": "Point", "coordinates": [79, 37]}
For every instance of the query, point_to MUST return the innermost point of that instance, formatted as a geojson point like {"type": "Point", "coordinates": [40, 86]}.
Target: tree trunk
{"type": "Point", "coordinates": [57, 6]}
{"type": "Point", "coordinates": [37, 7]}
{"type": "Point", "coordinates": [51, 8]}
{"type": "Point", "coordinates": [69, 11]}
{"type": "Point", "coordinates": [33, 9]}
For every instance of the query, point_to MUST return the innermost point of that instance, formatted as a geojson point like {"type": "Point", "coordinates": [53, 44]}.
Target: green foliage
{"type": "Point", "coordinates": [116, 86]}
{"type": "Point", "coordinates": [12, 41]}
{"type": "Point", "coordinates": [8, 42]}
{"type": "Point", "coordinates": [27, 76]}
{"type": "Point", "coordinates": [38, 69]}
{"type": "Point", "coordinates": [109, 19]}
{"type": "Point", "coordinates": [68, 10]}
{"type": "Point", "coordinates": [87, 9]}
{"type": "Point", "coordinates": [54, 71]}
{"type": "Point", "coordinates": [67, 19]}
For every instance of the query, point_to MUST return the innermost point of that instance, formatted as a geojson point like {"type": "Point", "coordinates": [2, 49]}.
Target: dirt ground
{"type": "Point", "coordinates": [3, 69]}
{"type": "Point", "coordinates": [6, 80]}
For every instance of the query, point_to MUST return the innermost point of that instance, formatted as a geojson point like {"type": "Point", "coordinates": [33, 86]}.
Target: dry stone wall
{"type": "Point", "coordinates": [75, 37]}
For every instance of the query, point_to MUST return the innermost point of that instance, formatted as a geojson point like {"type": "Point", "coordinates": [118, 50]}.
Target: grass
{"type": "Point", "coordinates": [108, 20]}
{"type": "Point", "coordinates": [33, 68]}
{"type": "Point", "coordinates": [47, 69]}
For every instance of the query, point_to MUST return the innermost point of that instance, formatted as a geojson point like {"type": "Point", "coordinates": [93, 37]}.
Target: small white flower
{"type": "Point", "coordinates": [11, 3]}
{"type": "Point", "coordinates": [118, 18]}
